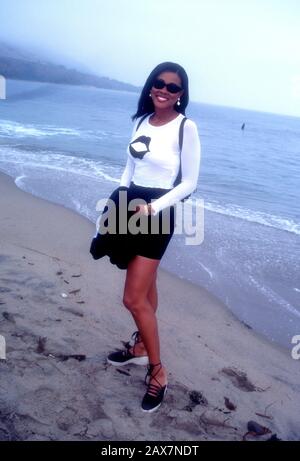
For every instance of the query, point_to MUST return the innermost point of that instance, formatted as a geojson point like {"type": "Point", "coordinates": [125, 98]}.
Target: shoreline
{"type": "Point", "coordinates": [256, 314]}
{"type": "Point", "coordinates": [45, 253]}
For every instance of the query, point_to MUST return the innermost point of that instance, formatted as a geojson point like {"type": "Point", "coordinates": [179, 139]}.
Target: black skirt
{"type": "Point", "coordinates": [121, 235]}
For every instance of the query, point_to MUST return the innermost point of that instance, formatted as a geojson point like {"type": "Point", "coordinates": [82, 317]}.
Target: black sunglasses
{"type": "Point", "coordinates": [159, 84]}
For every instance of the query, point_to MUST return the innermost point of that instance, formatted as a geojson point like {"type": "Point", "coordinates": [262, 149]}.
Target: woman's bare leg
{"type": "Point", "coordinates": [152, 296]}
{"type": "Point", "coordinates": [139, 279]}
{"type": "Point", "coordinates": [152, 293]}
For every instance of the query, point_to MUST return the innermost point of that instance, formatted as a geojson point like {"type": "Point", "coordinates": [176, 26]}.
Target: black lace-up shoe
{"type": "Point", "coordinates": [125, 357]}
{"type": "Point", "coordinates": [155, 392]}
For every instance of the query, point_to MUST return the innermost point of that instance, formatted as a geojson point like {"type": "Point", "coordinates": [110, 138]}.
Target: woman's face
{"type": "Point", "coordinates": [163, 98]}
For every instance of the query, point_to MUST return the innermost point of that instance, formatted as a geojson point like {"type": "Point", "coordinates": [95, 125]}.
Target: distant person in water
{"type": "Point", "coordinates": [150, 175]}
{"type": "Point", "coordinates": [243, 126]}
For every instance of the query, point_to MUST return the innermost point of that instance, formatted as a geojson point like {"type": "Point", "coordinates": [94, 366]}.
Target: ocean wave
{"type": "Point", "coordinates": [97, 169]}
{"type": "Point", "coordinates": [11, 129]}
{"type": "Point", "coordinates": [258, 217]}
{"type": "Point", "coordinates": [49, 160]}
{"type": "Point", "coordinates": [271, 295]}
{"type": "Point", "coordinates": [18, 180]}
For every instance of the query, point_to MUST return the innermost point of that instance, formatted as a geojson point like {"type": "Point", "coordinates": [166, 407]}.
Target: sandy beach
{"type": "Point", "coordinates": [56, 301]}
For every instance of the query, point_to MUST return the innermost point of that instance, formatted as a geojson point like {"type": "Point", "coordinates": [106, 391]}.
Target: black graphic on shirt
{"type": "Point", "coordinates": [142, 149]}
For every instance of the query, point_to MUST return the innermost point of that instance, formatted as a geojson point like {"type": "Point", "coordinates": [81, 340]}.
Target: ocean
{"type": "Point", "coordinates": [68, 144]}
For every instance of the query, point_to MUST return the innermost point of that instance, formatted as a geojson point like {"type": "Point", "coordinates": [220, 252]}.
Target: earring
{"type": "Point", "coordinates": [150, 95]}
{"type": "Point", "coordinates": [178, 102]}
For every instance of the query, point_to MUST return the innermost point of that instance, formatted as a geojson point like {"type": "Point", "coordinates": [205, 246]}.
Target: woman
{"type": "Point", "coordinates": [154, 164]}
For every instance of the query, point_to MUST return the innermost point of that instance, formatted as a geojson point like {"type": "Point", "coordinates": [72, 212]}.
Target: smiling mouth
{"type": "Point", "coordinates": [161, 98]}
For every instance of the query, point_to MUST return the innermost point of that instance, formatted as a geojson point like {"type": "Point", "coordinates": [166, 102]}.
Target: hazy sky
{"type": "Point", "coordinates": [240, 53]}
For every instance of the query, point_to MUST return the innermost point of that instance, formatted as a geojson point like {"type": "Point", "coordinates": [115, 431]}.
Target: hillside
{"type": "Point", "coordinates": [19, 65]}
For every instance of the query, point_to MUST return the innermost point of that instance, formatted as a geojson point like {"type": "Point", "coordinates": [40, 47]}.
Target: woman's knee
{"type": "Point", "coordinates": [140, 274]}
{"type": "Point", "coordinates": [134, 303]}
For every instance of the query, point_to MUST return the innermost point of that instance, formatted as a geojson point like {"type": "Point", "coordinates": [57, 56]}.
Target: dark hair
{"type": "Point", "coordinates": [145, 104]}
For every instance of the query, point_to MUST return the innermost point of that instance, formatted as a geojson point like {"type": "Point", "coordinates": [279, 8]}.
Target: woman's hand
{"type": "Point", "coordinates": [145, 210]}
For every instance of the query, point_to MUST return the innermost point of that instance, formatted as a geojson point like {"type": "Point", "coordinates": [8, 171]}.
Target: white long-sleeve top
{"type": "Point", "coordinates": [153, 159]}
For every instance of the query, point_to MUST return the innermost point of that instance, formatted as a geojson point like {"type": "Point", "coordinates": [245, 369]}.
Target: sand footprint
{"type": "Point", "coordinates": [239, 379]}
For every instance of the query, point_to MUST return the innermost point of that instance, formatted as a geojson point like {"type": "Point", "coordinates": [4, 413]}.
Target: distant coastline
{"type": "Point", "coordinates": [19, 67]}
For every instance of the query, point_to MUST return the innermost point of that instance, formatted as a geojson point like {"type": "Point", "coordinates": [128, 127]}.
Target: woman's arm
{"type": "Point", "coordinates": [128, 172]}
{"type": "Point", "coordinates": [129, 168]}
{"type": "Point", "coordinates": [190, 165]}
